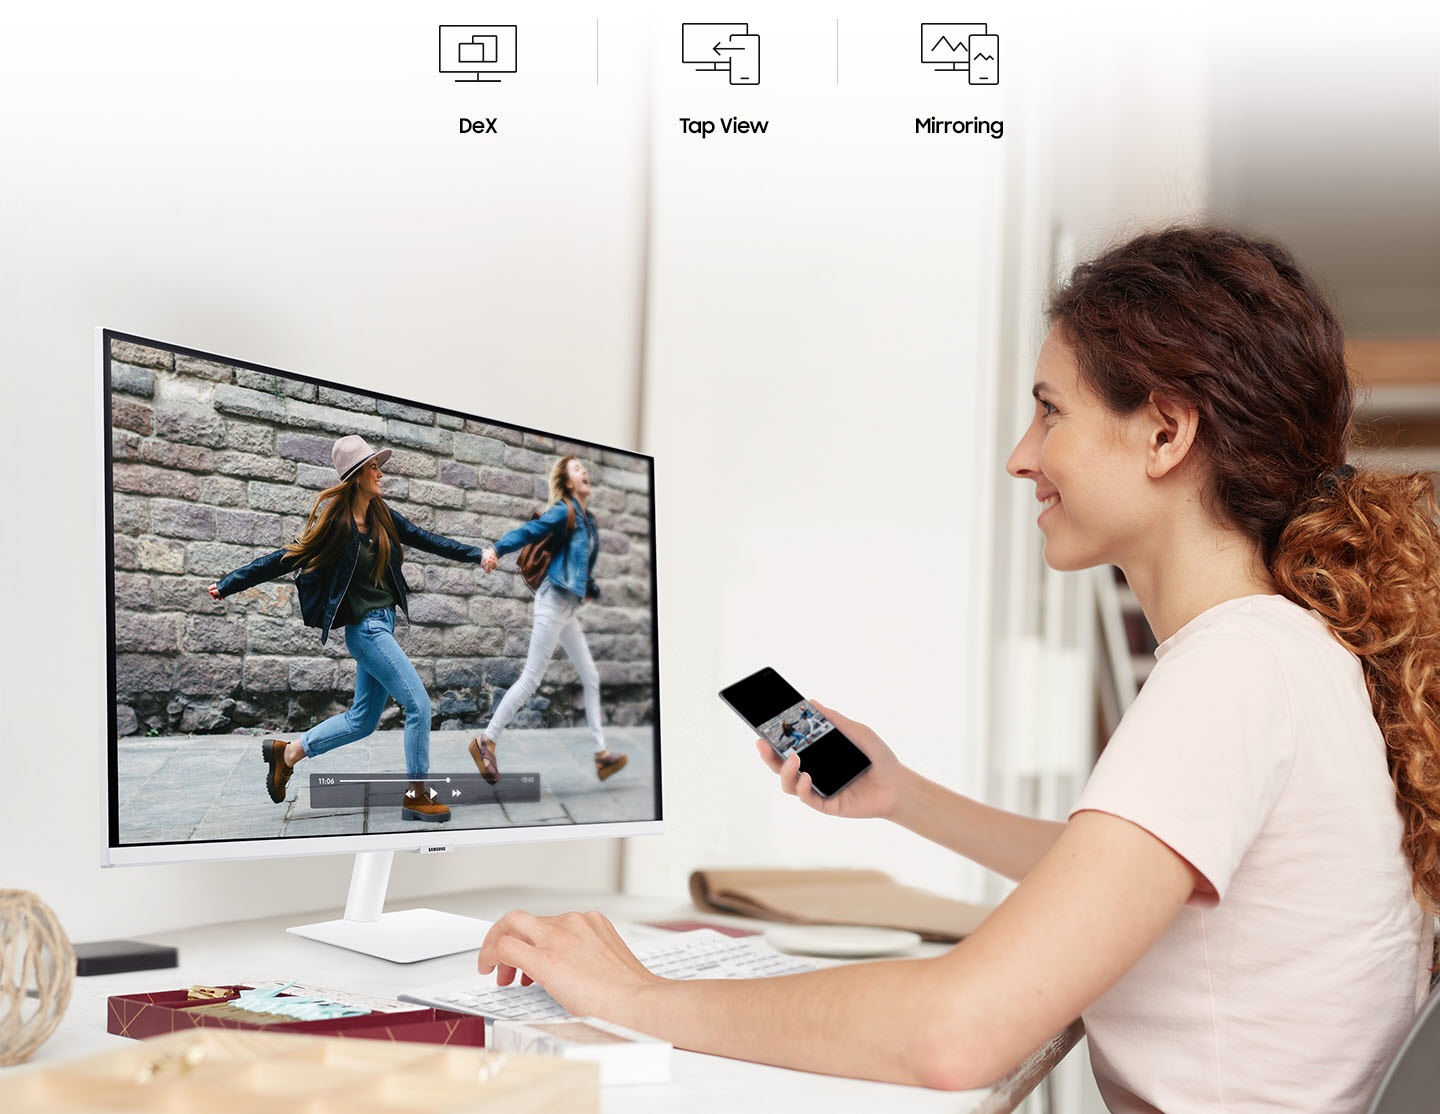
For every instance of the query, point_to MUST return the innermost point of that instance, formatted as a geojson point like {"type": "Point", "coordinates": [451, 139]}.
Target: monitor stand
{"type": "Point", "coordinates": [407, 936]}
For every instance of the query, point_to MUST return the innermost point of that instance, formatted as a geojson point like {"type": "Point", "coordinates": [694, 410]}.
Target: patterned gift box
{"type": "Point", "coordinates": [171, 1011]}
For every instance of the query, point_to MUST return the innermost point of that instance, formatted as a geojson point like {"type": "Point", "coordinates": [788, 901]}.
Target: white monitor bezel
{"type": "Point", "coordinates": [425, 839]}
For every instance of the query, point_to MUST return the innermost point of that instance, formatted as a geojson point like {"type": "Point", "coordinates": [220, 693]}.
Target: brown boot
{"type": "Point", "coordinates": [482, 750]}
{"type": "Point", "coordinates": [609, 762]}
{"type": "Point", "coordinates": [420, 806]}
{"type": "Point", "coordinates": [277, 770]}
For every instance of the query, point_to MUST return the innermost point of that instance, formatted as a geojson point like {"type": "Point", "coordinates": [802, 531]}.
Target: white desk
{"type": "Point", "coordinates": [255, 950]}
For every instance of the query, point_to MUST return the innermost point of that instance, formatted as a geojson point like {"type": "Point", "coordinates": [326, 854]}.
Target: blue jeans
{"type": "Point", "coordinates": [381, 670]}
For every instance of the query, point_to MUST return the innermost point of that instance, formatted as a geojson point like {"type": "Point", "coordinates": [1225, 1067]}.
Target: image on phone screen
{"type": "Point", "coordinates": [984, 59]}
{"type": "Point", "coordinates": [792, 725]}
{"type": "Point", "coordinates": [795, 728]}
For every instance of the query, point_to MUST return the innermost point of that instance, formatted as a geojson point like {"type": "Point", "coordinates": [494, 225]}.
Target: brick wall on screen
{"type": "Point", "coordinates": [215, 465]}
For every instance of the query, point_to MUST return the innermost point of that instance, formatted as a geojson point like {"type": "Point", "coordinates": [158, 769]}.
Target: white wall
{"type": "Point", "coordinates": [819, 375]}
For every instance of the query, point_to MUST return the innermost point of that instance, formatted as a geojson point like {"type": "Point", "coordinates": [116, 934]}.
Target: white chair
{"type": "Point", "coordinates": [1010, 1092]}
{"type": "Point", "coordinates": [1411, 1084]}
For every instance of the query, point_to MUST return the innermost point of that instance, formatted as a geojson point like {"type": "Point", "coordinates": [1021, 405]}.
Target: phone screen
{"type": "Point", "coordinates": [790, 723]}
{"type": "Point", "coordinates": [984, 59]}
{"type": "Point", "coordinates": [745, 60]}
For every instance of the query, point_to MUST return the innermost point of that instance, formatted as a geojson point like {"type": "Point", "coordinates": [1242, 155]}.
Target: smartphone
{"type": "Point", "coordinates": [984, 59]}
{"type": "Point", "coordinates": [790, 723]}
{"type": "Point", "coordinates": [745, 62]}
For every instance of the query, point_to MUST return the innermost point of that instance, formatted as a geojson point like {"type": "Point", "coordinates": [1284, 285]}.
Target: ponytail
{"type": "Point", "coordinates": [1364, 553]}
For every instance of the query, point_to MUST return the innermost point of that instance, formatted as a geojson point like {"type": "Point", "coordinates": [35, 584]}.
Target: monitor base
{"type": "Point", "coordinates": [407, 936]}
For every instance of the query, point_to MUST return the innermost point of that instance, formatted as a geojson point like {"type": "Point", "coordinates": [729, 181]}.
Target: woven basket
{"type": "Point", "coordinates": [37, 973]}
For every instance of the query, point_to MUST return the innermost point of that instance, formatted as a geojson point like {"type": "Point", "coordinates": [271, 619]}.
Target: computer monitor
{"type": "Point", "coordinates": [947, 45]}
{"type": "Point", "coordinates": [479, 51]}
{"type": "Point", "coordinates": [210, 462]}
{"type": "Point", "coordinates": [708, 46]}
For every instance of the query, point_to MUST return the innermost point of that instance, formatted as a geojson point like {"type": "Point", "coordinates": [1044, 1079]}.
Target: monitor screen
{"type": "Point", "coordinates": [363, 643]}
{"type": "Point", "coordinates": [710, 44]}
{"type": "Point", "coordinates": [947, 45]}
{"type": "Point", "coordinates": [479, 49]}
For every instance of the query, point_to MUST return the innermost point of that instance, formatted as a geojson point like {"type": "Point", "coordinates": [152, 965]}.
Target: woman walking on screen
{"type": "Point", "coordinates": [349, 557]}
{"type": "Point", "coordinates": [569, 528]}
{"type": "Point", "coordinates": [1245, 883]}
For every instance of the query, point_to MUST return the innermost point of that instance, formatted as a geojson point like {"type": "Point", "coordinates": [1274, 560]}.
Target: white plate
{"type": "Point", "coordinates": [847, 941]}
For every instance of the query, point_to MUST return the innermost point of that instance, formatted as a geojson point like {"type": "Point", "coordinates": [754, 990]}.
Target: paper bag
{"type": "Point", "coordinates": [865, 897]}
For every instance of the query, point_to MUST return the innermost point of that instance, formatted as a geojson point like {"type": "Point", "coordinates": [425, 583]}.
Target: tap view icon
{"type": "Point", "coordinates": [962, 47]}
{"type": "Point", "coordinates": [480, 52]}
{"type": "Point", "coordinates": [722, 46]}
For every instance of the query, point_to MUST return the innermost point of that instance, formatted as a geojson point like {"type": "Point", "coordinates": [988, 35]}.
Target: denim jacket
{"type": "Point", "coordinates": [322, 589]}
{"type": "Point", "coordinates": [573, 566]}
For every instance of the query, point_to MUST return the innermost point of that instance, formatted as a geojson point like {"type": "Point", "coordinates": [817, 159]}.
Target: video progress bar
{"type": "Point", "coordinates": [363, 790]}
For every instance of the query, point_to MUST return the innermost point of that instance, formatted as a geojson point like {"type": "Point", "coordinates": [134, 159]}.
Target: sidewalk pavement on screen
{"type": "Point", "coordinates": [196, 787]}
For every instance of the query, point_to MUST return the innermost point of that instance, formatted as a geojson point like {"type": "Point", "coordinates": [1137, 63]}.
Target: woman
{"type": "Point", "coordinates": [1238, 905]}
{"type": "Point", "coordinates": [349, 557]}
{"type": "Point", "coordinates": [569, 529]}
{"type": "Point", "coordinates": [792, 732]}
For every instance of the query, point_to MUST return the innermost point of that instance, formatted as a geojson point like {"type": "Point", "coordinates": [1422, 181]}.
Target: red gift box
{"type": "Point", "coordinates": [170, 1011]}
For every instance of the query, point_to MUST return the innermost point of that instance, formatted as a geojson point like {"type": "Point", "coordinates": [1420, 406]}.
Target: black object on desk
{"type": "Point", "coordinates": [112, 957]}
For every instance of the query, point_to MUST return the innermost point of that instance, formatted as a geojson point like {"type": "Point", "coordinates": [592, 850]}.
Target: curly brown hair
{"type": "Point", "coordinates": [1230, 325]}
{"type": "Point", "coordinates": [1365, 555]}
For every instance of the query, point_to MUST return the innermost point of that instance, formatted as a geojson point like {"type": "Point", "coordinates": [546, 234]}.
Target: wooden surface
{"type": "Point", "coordinates": [1395, 360]}
{"type": "Point", "coordinates": [210, 1071]}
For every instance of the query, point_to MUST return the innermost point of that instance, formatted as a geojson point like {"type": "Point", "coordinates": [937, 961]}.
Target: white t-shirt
{"type": "Point", "coordinates": [1253, 752]}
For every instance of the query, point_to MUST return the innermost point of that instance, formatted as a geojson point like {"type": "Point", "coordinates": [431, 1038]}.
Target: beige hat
{"type": "Point", "coordinates": [352, 453]}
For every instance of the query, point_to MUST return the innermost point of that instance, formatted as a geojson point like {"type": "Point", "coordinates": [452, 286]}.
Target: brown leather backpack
{"type": "Point", "coordinates": [534, 559]}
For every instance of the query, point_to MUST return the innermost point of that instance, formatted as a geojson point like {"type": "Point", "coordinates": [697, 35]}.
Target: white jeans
{"type": "Point", "coordinates": [555, 622]}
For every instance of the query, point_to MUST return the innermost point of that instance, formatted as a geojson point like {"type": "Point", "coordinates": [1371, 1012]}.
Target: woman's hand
{"type": "Point", "coordinates": [578, 957]}
{"type": "Point", "coordinates": [489, 560]}
{"type": "Point", "coordinates": [876, 792]}
{"type": "Point", "coordinates": [214, 591]}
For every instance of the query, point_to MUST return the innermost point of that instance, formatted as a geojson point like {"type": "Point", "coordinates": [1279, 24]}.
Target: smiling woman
{"type": "Point", "coordinates": [1238, 848]}
{"type": "Point", "coordinates": [1097, 492]}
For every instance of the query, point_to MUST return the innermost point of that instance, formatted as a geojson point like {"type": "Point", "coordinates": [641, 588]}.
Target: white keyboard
{"type": "Point", "coordinates": [702, 954]}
